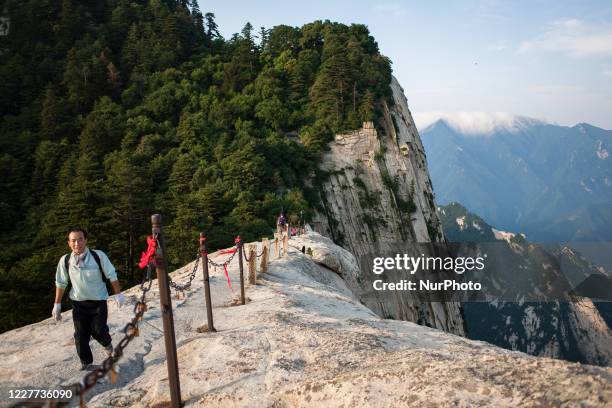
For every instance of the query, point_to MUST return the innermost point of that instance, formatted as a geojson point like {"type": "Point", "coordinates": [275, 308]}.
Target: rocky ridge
{"type": "Point", "coordinates": [302, 340]}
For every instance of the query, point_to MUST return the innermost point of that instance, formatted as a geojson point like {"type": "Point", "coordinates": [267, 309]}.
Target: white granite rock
{"type": "Point", "coordinates": [301, 341]}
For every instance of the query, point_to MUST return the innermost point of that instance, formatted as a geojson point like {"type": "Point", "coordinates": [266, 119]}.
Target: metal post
{"type": "Point", "coordinates": [166, 310]}
{"type": "Point", "coordinates": [204, 256]}
{"type": "Point", "coordinates": [240, 251]}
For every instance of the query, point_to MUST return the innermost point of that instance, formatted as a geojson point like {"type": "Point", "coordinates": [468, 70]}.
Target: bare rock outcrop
{"type": "Point", "coordinates": [377, 198]}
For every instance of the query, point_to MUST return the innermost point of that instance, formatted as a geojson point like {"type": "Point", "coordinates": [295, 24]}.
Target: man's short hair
{"type": "Point", "coordinates": [77, 229]}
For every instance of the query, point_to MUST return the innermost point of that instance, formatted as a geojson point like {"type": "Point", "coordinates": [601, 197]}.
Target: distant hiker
{"type": "Point", "coordinates": [280, 223]}
{"type": "Point", "coordinates": [86, 270]}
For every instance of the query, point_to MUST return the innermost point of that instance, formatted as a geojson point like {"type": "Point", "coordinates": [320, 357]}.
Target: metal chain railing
{"type": "Point", "coordinates": [257, 256]}
{"type": "Point", "coordinates": [181, 287]}
{"type": "Point", "coordinates": [227, 262]}
{"type": "Point", "coordinates": [294, 247]}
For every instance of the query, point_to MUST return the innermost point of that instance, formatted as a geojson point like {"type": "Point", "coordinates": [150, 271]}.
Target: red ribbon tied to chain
{"type": "Point", "coordinates": [148, 256]}
{"type": "Point", "coordinates": [229, 283]}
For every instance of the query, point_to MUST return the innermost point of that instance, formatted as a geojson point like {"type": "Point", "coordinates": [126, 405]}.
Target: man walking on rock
{"type": "Point", "coordinates": [86, 269]}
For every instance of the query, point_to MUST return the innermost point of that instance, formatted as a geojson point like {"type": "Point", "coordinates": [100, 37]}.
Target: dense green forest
{"type": "Point", "coordinates": [113, 110]}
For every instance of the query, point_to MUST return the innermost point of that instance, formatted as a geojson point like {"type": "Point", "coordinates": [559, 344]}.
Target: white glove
{"type": "Point", "coordinates": [120, 299]}
{"type": "Point", "coordinates": [56, 313]}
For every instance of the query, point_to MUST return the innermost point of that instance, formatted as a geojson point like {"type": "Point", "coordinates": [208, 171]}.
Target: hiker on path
{"type": "Point", "coordinates": [86, 270]}
{"type": "Point", "coordinates": [280, 223]}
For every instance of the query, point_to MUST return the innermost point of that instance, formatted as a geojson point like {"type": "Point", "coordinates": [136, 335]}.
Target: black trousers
{"type": "Point", "coordinates": [89, 318]}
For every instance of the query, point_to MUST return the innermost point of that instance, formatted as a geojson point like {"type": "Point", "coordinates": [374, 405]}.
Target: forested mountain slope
{"type": "Point", "coordinates": [114, 109]}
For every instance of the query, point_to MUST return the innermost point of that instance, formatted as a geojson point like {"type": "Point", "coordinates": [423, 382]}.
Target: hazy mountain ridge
{"type": "Point", "coordinates": [460, 225]}
{"type": "Point", "coordinates": [575, 329]}
{"type": "Point", "coordinates": [513, 176]}
{"type": "Point", "coordinates": [483, 123]}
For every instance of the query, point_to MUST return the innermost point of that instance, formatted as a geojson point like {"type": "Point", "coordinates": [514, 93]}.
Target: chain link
{"type": "Point", "coordinates": [227, 262]}
{"type": "Point", "coordinates": [257, 256]}
{"type": "Point", "coordinates": [108, 366]}
{"type": "Point", "coordinates": [244, 255]}
{"type": "Point", "coordinates": [294, 247]}
{"type": "Point", "coordinates": [186, 286]}
{"type": "Point", "coordinates": [130, 331]}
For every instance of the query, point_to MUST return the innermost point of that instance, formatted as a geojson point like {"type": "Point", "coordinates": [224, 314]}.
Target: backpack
{"type": "Point", "coordinates": [96, 257]}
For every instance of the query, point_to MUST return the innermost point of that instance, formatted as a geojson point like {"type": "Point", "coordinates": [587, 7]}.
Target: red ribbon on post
{"type": "Point", "coordinates": [229, 283]}
{"type": "Point", "coordinates": [149, 256]}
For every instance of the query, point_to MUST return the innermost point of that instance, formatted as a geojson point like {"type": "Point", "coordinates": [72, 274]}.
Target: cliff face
{"type": "Point", "coordinates": [377, 198]}
{"type": "Point", "coordinates": [378, 179]}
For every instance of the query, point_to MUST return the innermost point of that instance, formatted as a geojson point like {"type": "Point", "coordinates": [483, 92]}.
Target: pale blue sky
{"type": "Point", "coordinates": [542, 58]}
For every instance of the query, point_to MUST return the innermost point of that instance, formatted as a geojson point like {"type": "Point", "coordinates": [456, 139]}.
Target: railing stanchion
{"type": "Point", "coordinates": [263, 267]}
{"type": "Point", "coordinates": [276, 245]}
{"type": "Point", "coordinates": [204, 256]}
{"type": "Point", "coordinates": [166, 310]}
{"type": "Point", "coordinates": [252, 250]}
{"type": "Point", "coordinates": [285, 243]}
{"type": "Point", "coordinates": [240, 255]}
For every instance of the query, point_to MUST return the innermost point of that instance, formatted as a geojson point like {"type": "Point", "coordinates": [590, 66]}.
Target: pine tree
{"type": "Point", "coordinates": [247, 32]}
{"type": "Point", "coordinates": [125, 209]}
{"type": "Point", "coordinates": [12, 179]}
{"type": "Point", "coordinates": [212, 29]}
{"type": "Point", "coordinates": [367, 109]}
{"type": "Point", "coordinates": [48, 159]}
{"type": "Point", "coordinates": [120, 24]}
{"type": "Point", "coordinates": [198, 20]}
{"type": "Point", "coordinates": [103, 130]}
{"type": "Point", "coordinates": [131, 49]}
{"type": "Point", "coordinates": [68, 27]}
{"type": "Point", "coordinates": [52, 117]}
{"type": "Point", "coordinates": [80, 193]}
{"type": "Point", "coordinates": [263, 37]}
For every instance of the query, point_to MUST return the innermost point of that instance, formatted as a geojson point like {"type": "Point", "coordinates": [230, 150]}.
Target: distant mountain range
{"type": "Point", "coordinates": [575, 328]}
{"type": "Point", "coordinates": [550, 182]}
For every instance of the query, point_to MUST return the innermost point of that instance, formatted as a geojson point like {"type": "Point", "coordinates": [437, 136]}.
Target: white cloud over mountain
{"type": "Point", "coordinates": [475, 123]}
